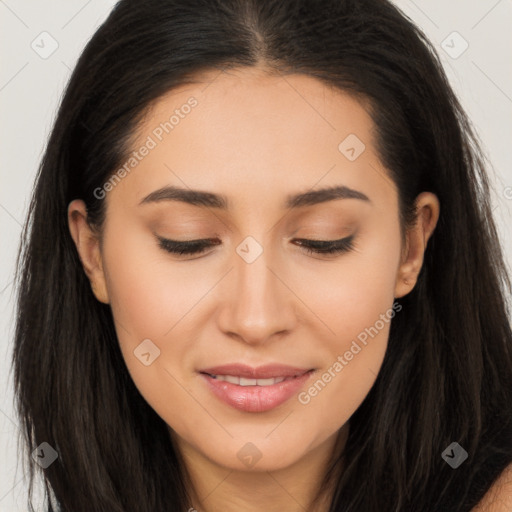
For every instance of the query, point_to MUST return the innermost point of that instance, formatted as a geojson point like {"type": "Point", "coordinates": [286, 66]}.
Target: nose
{"type": "Point", "coordinates": [259, 304]}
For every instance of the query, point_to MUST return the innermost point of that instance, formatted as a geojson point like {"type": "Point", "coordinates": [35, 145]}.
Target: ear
{"type": "Point", "coordinates": [427, 215]}
{"type": "Point", "coordinates": [87, 243]}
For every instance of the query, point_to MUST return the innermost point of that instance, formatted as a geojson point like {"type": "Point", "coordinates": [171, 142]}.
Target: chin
{"type": "Point", "coordinates": [256, 454]}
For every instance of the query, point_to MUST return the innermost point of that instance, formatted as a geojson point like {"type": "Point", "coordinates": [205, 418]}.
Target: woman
{"type": "Point", "coordinates": [260, 271]}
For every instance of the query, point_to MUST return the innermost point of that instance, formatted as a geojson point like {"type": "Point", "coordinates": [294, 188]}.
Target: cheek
{"type": "Point", "coordinates": [350, 293]}
{"type": "Point", "coordinates": [148, 292]}
{"type": "Point", "coordinates": [355, 300]}
{"type": "Point", "coordinates": [152, 299]}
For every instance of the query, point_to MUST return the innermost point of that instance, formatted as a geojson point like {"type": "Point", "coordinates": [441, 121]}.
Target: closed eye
{"type": "Point", "coordinates": [188, 247]}
{"type": "Point", "coordinates": [326, 247]}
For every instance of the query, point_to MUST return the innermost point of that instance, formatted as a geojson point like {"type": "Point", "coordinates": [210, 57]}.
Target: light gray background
{"type": "Point", "coordinates": [31, 87]}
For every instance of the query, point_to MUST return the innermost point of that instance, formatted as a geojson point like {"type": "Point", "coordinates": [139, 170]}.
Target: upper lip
{"type": "Point", "coordinates": [261, 372]}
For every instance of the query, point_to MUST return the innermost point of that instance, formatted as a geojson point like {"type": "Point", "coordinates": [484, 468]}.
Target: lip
{"type": "Point", "coordinates": [256, 398]}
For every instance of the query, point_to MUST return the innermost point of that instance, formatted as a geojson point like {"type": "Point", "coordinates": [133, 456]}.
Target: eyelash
{"type": "Point", "coordinates": [326, 247]}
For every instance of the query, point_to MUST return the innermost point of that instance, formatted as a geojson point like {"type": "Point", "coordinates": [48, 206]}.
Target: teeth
{"type": "Point", "coordinates": [230, 378]}
{"type": "Point", "coordinates": [242, 381]}
{"type": "Point", "coordinates": [248, 382]}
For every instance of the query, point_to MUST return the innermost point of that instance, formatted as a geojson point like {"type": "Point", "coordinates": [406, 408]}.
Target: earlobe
{"type": "Point", "coordinates": [87, 243]}
{"type": "Point", "coordinates": [427, 215]}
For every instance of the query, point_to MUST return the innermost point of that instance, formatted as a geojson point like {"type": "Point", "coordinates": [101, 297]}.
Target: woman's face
{"type": "Point", "coordinates": [241, 160]}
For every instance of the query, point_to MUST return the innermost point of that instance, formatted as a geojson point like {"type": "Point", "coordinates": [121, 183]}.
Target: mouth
{"type": "Point", "coordinates": [242, 381]}
{"type": "Point", "coordinates": [255, 389]}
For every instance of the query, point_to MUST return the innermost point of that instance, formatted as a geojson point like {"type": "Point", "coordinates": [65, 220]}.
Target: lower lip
{"type": "Point", "coordinates": [256, 398]}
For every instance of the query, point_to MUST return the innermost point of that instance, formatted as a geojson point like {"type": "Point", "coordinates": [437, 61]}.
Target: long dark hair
{"type": "Point", "coordinates": [447, 373]}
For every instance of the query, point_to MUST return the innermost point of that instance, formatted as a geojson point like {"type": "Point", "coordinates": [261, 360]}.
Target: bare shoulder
{"type": "Point", "coordinates": [499, 496]}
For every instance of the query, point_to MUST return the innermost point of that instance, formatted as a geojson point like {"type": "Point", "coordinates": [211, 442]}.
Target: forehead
{"type": "Point", "coordinates": [264, 103]}
{"type": "Point", "coordinates": [250, 130]}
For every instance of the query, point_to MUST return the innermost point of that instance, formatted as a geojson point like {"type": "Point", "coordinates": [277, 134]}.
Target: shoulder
{"type": "Point", "coordinates": [499, 497]}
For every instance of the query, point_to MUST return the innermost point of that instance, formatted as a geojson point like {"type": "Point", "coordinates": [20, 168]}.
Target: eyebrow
{"type": "Point", "coordinates": [211, 200]}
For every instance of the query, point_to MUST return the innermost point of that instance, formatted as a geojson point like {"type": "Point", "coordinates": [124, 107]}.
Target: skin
{"type": "Point", "coordinates": [256, 139]}
{"type": "Point", "coordinates": [499, 496]}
